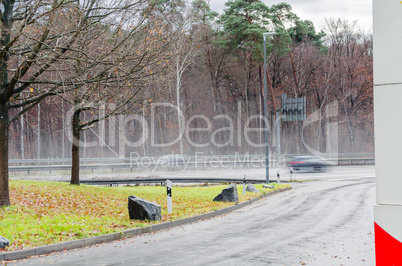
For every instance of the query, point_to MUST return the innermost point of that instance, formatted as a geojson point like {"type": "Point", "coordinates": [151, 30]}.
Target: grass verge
{"type": "Point", "coordinates": [46, 213]}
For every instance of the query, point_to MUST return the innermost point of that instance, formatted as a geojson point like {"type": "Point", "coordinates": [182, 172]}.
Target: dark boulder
{"type": "Point", "coordinates": [228, 194]}
{"type": "Point", "coordinates": [252, 188]}
{"type": "Point", "coordinates": [141, 209]}
{"type": "Point", "coordinates": [3, 242]}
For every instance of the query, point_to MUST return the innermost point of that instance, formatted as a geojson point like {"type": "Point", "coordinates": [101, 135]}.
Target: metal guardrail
{"type": "Point", "coordinates": [178, 180]}
{"type": "Point", "coordinates": [120, 160]}
{"type": "Point", "coordinates": [192, 162]}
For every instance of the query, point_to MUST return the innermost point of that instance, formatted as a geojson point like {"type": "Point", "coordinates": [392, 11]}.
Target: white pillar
{"type": "Point", "coordinates": [388, 130]}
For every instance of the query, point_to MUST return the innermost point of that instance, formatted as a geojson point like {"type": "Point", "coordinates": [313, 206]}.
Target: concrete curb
{"type": "Point", "coordinates": [80, 243]}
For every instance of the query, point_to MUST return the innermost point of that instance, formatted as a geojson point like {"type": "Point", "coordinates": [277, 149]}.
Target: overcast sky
{"type": "Point", "coordinates": [318, 10]}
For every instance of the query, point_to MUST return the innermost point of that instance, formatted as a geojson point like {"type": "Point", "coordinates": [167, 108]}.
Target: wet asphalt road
{"type": "Point", "coordinates": [325, 222]}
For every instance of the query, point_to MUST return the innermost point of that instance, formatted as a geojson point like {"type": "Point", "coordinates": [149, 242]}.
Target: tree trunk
{"type": "Point", "coordinates": [349, 127]}
{"type": "Point", "coordinates": [75, 151]}
{"type": "Point", "coordinates": [63, 141]}
{"type": "Point", "coordinates": [4, 129]}
{"type": "Point", "coordinates": [351, 135]}
{"type": "Point", "coordinates": [213, 79]}
{"type": "Point", "coordinates": [22, 137]}
{"type": "Point", "coordinates": [5, 37]}
{"type": "Point", "coordinates": [179, 73]}
{"type": "Point", "coordinates": [144, 147]}
{"type": "Point", "coordinates": [38, 133]}
{"type": "Point", "coordinates": [262, 98]}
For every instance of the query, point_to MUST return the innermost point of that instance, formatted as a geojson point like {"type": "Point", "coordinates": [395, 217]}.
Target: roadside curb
{"type": "Point", "coordinates": [80, 243]}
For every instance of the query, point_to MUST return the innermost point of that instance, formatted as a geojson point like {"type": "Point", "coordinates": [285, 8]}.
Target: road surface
{"type": "Point", "coordinates": [324, 222]}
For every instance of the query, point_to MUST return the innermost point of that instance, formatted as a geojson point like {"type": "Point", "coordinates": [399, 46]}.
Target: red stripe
{"type": "Point", "coordinates": [388, 250]}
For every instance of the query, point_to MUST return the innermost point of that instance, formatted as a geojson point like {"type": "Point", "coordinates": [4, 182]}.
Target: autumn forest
{"type": "Point", "coordinates": [152, 77]}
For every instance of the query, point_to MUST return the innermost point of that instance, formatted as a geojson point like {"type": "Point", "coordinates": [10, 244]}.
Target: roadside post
{"type": "Point", "coordinates": [291, 173]}
{"type": "Point", "coordinates": [244, 185]}
{"type": "Point", "coordinates": [387, 38]}
{"type": "Point", "coordinates": [169, 195]}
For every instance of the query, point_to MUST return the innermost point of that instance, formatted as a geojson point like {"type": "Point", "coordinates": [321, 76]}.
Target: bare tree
{"type": "Point", "coordinates": [133, 49]}
{"type": "Point", "coordinates": [350, 54]}
{"type": "Point", "coordinates": [41, 43]}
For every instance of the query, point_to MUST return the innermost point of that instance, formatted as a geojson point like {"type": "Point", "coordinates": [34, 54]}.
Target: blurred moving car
{"type": "Point", "coordinates": [307, 164]}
